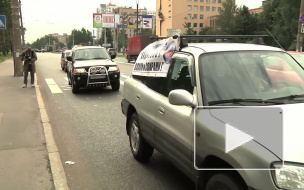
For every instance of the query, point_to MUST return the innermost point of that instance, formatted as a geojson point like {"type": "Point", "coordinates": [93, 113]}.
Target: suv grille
{"type": "Point", "coordinates": [87, 70]}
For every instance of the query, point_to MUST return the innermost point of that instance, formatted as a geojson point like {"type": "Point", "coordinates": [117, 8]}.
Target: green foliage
{"type": "Point", "coordinates": [280, 17]}
{"type": "Point", "coordinates": [189, 30]}
{"type": "Point", "coordinates": [82, 36]}
{"type": "Point", "coordinates": [122, 40]}
{"type": "Point", "coordinates": [146, 32]}
{"type": "Point", "coordinates": [46, 42]}
{"type": "Point", "coordinates": [3, 58]}
{"type": "Point", "coordinates": [109, 36]}
{"type": "Point", "coordinates": [245, 23]}
{"type": "Point", "coordinates": [5, 35]}
{"type": "Point", "coordinates": [226, 18]}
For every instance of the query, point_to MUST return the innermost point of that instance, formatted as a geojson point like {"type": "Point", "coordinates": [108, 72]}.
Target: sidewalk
{"type": "Point", "coordinates": [24, 160]}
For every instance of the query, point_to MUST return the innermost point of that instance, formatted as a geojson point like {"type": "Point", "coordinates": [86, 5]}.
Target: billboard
{"type": "Point", "coordinates": [105, 20]}
{"type": "Point", "coordinates": [97, 20]}
{"type": "Point", "coordinates": [144, 21]}
{"type": "Point", "coordinates": [108, 20]}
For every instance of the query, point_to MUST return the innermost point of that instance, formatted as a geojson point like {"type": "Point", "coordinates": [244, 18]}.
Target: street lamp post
{"type": "Point", "coordinates": [137, 1]}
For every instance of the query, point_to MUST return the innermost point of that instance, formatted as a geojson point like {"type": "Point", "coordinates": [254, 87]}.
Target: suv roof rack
{"type": "Point", "coordinates": [257, 39]}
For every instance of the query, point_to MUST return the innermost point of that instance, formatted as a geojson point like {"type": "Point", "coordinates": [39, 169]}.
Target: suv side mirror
{"type": "Point", "coordinates": [69, 58]}
{"type": "Point", "coordinates": [113, 56]}
{"type": "Point", "coordinates": [181, 97]}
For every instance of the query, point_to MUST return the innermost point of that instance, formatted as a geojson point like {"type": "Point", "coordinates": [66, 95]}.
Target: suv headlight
{"type": "Point", "coordinates": [82, 70]}
{"type": "Point", "coordinates": [290, 176]}
{"type": "Point", "coordinates": [115, 68]}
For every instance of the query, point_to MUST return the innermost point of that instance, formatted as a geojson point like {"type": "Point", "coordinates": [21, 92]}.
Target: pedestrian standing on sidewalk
{"type": "Point", "coordinates": [29, 57]}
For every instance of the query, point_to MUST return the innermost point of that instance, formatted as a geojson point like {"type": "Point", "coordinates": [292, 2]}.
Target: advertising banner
{"type": "Point", "coordinates": [156, 58]}
{"type": "Point", "coordinates": [147, 21]}
{"type": "Point", "coordinates": [132, 21]}
{"type": "Point", "coordinates": [144, 21]}
{"type": "Point", "coordinates": [108, 20]}
{"type": "Point", "coordinates": [97, 20]}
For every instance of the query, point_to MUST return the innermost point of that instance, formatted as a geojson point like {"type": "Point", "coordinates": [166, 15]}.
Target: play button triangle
{"type": "Point", "coordinates": [235, 138]}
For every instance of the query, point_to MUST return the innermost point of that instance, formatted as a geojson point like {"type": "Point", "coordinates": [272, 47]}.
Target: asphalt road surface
{"type": "Point", "coordinates": [89, 129]}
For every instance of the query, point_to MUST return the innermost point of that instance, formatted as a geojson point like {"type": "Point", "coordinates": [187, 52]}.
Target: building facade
{"type": "Point", "coordinates": [195, 14]}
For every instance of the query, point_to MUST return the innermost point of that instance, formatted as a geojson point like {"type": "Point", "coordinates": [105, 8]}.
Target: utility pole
{"type": "Point", "coordinates": [300, 28]}
{"type": "Point", "coordinates": [137, 17]}
{"type": "Point", "coordinates": [16, 38]}
{"type": "Point", "coordinates": [22, 28]}
{"type": "Point", "coordinates": [114, 33]}
{"type": "Point", "coordinates": [105, 37]}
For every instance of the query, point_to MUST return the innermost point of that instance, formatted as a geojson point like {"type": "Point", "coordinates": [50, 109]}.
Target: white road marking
{"type": "Point", "coordinates": [122, 82]}
{"type": "Point", "coordinates": [53, 86]}
{"type": "Point", "coordinates": [66, 78]}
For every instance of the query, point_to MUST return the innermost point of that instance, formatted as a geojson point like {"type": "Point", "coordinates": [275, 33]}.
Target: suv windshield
{"type": "Point", "coordinates": [91, 53]}
{"type": "Point", "coordinates": [250, 75]}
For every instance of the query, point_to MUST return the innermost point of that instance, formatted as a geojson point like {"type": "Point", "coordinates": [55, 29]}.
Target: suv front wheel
{"type": "Point", "coordinates": [115, 85]}
{"type": "Point", "coordinates": [141, 150]}
{"type": "Point", "coordinates": [75, 88]}
{"type": "Point", "coordinates": [224, 181]}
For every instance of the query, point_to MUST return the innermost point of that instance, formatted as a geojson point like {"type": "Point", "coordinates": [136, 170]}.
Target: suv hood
{"type": "Point", "coordinates": [97, 62]}
{"type": "Point", "coordinates": [264, 127]}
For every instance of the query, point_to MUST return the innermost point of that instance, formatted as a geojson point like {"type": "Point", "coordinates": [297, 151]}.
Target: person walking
{"type": "Point", "coordinates": [29, 57]}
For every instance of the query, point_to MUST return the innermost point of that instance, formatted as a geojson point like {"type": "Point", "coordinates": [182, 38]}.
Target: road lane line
{"type": "Point", "coordinates": [53, 86]}
{"type": "Point", "coordinates": [50, 81]}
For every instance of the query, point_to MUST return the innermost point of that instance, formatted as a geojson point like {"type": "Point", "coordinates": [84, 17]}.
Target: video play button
{"type": "Point", "coordinates": [235, 138]}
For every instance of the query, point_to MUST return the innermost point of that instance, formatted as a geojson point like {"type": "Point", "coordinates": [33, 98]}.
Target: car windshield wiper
{"type": "Point", "coordinates": [240, 101]}
{"type": "Point", "coordinates": [82, 59]}
{"type": "Point", "coordinates": [290, 97]}
{"type": "Point", "coordinates": [100, 58]}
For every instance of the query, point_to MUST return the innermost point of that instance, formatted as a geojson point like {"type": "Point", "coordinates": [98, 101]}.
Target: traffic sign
{"type": "Point", "coordinates": [93, 37]}
{"type": "Point", "coordinates": [119, 25]}
{"type": "Point", "coordinates": [302, 17]}
{"type": "Point", "coordinates": [2, 22]}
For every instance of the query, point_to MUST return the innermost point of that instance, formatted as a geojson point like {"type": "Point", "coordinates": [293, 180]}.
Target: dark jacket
{"type": "Point", "coordinates": [24, 57]}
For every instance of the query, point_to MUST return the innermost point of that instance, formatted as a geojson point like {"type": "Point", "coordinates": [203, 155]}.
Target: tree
{"type": "Point", "coordinates": [225, 20]}
{"type": "Point", "coordinates": [5, 35]}
{"type": "Point", "coordinates": [245, 23]}
{"type": "Point", "coordinates": [189, 30]}
{"type": "Point", "coordinates": [43, 42]}
{"type": "Point", "coordinates": [146, 32]}
{"type": "Point", "coordinates": [109, 36]}
{"type": "Point", "coordinates": [82, 36]}
{"type": "Point", "coordinates": [280, 17]}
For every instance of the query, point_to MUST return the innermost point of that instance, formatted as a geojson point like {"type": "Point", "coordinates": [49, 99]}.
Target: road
{"type": "Point", "coordinates": [89, 129]}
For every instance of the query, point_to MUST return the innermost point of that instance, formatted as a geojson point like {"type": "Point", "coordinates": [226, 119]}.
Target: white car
{"type": "Point", "coordinates": [229, 115]}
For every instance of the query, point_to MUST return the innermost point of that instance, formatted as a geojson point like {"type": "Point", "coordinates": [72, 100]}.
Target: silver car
{"type": "Point", "coordinates": [230, 116]}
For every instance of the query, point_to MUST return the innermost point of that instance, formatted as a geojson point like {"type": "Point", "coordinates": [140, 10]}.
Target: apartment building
{"type": "Point", "coordinates": [196, 14]}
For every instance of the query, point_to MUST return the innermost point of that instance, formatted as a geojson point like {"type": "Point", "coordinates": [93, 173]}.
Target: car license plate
{"type": "Point", "coordinates": [98, 76]}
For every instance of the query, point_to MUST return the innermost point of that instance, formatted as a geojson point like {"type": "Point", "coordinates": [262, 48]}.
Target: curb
{"type": "Point", "coordinates": [59, 177]}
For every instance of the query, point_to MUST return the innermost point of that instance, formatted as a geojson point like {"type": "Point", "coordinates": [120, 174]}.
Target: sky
{"type": "Point", "coordinates": [62, 16]}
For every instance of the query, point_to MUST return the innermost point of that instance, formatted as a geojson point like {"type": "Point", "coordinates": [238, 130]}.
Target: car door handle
{"type": "Point", "coordinates": [137, 96]}
{"type": "Point", "coordinates": [161, 110]}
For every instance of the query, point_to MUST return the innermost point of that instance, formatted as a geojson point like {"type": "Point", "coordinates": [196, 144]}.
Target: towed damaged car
{"type": "Point", "coordinates": [91, 66]}
{"type": "Point", "coordinates": [226, 114]}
